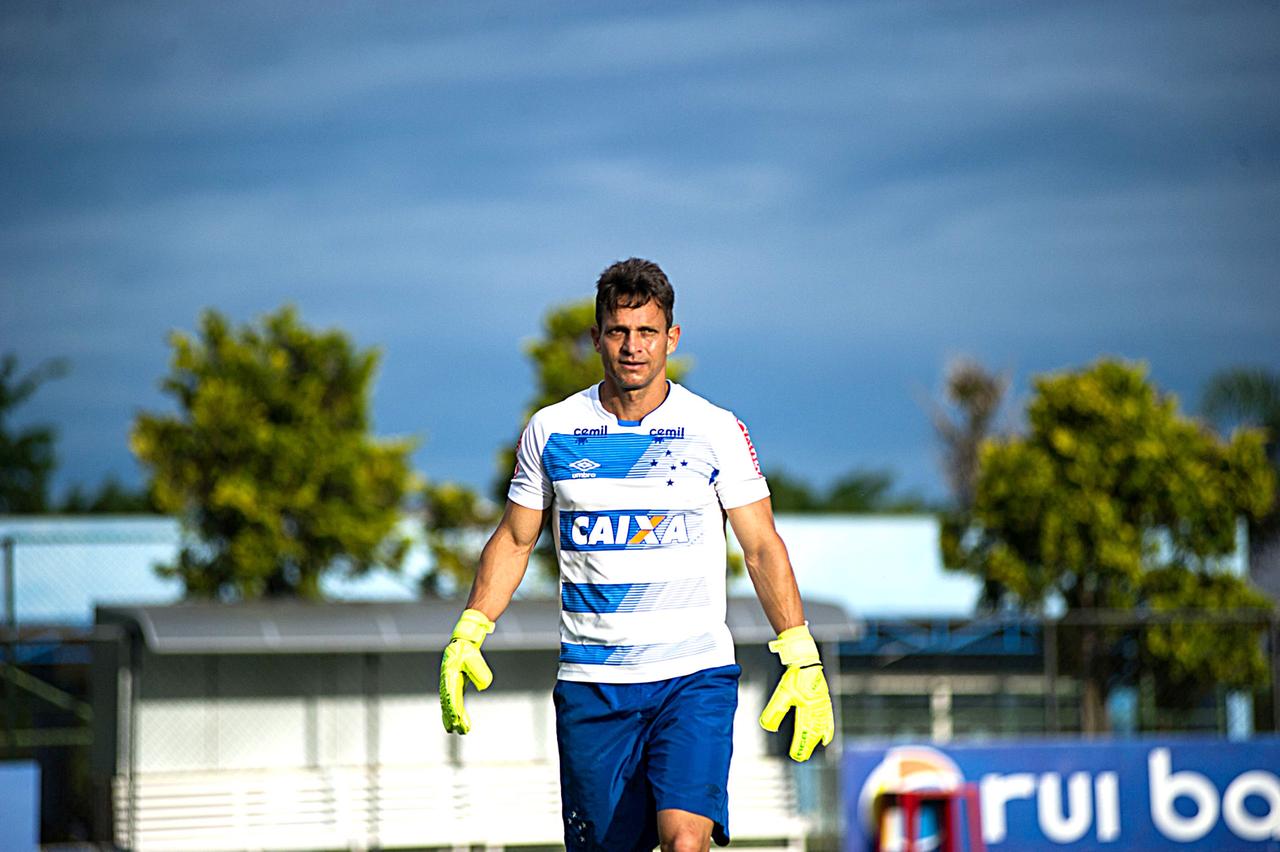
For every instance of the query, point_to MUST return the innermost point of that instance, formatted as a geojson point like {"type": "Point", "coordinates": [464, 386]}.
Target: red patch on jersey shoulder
{"type": "Point", "coordinates": [750, 446]}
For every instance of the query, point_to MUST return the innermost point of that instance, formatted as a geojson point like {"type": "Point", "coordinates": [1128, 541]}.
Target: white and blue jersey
{"type": "Point", "coordinates": [639, 530]}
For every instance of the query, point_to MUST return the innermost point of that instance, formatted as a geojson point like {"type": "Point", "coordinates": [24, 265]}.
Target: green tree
{"type": "Point", "coordinates": [457, 522]}
{"type": "Point", "coordinates": [1245, 395]}
{"type": "Point", "coordinates": [856, 492]}
{"type": "Point", "coordinates": [27, 457]}
{"type": "Point", "coordinates": [1113, 500]}
{"type": "Point", "coordinates": [112, 498]}
{"type": "Point", "coordinates": [1252, 396]}
{"type": "Point", "coordinates": [963, 420]}
{"type": "Point", "coordinates": [791, 494]}
{"type": "Point", "coordinates": [870, 492]}
{"type": "Point", "coordinates": [269, 461]}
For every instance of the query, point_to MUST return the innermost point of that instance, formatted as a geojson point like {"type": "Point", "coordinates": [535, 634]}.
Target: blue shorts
{"type": "Point", "coordinates": [628, 750]}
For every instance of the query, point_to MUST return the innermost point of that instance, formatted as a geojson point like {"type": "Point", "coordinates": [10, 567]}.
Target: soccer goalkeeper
{"type": "Point", "coordinates": [635, 476]}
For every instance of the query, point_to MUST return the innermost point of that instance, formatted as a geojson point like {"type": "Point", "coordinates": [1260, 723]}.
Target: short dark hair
{"type": "Point", "coordinates": [632, 283]}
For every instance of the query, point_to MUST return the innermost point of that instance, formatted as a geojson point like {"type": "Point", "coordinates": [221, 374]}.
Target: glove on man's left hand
{"type": "Point", "coordinates": [462, 657]}
{"type": "Point", "coordinates": [804, 687]}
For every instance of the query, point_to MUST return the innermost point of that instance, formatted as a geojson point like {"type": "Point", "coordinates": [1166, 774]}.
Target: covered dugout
{"type": "Point", "coordinates": [288, 725]}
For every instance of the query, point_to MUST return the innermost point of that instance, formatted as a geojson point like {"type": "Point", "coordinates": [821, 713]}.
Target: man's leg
{"type": "Point", "coordinates": [603, 787]}
{"type": "Point", "coordinates": [682, 831]}
{"type": "Point", "coordinates": [689, 748]}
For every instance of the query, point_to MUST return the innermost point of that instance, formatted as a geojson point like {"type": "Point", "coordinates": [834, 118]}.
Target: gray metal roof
{"type": "Point", "coordinates": [297, 627]}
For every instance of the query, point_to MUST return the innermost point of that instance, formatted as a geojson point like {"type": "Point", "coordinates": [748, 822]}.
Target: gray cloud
{"type": "Point", "coordinates": [844, 195]}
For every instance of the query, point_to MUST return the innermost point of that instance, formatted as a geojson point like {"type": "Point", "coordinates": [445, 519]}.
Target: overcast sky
{"type": "Point", "coordinates": [845, 196]}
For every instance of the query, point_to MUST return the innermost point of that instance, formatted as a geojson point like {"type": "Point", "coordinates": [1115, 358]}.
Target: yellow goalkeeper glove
{"type": "Point", "coordinates": [804, 687]}
{"type": "Point", "coordinates": [462, 656]}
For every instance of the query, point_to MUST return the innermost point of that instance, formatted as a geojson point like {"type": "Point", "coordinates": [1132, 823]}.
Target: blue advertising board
{"type": "Point", "coordinates": [1170, 793]}
{"type": "Point", "coordinates": [19, 806]}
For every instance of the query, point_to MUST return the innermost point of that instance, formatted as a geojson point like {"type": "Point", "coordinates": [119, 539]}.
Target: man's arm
{"type": "Point", "coordinates": [505, 558]}
{"type": "Point", "coordinates": [768, 564]}
{"type": "Point", "coordinates": [803, 685]}
{"type": "Point", "coordinates": [502, 565]}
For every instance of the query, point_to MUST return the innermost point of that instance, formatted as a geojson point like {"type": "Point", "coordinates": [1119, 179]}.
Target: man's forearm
{"type": "Point", "coordinates": [770, 570]}
{"type": "Point", "coordinates": [502, 565]}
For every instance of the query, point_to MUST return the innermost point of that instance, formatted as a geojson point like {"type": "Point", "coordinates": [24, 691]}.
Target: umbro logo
{"type": "Point", "coordinates": [584, 467]}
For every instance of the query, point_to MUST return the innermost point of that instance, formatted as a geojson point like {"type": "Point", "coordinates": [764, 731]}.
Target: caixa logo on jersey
{"type": "Point", "coordinates": [630, 529]}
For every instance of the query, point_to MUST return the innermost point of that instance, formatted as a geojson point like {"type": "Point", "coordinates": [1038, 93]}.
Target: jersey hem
{"type": "Point", "coordinates": [744, 495]}
{"type": "Point", "coordinates": [528, 500]}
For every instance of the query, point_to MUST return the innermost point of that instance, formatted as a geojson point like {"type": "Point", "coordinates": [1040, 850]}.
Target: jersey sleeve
{"type": "Point", "coordinates": [739, 481]}
{"type": "Point", "coordinates": [530, 485]}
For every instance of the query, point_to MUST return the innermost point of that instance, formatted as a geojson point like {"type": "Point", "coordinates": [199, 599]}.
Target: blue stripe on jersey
{"type": "Point", "coordinates": [600, 598]}
{"type": "Point", "coordinates": [628, 655]}
{"type": "Point", "coordinates": [619, 456]}
{"type": "Point", "coordinates": [628, 529]}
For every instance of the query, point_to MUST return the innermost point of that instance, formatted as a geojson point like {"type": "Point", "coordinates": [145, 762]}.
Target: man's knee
{"type": "Point", "coordinates": [681, 831]}
{"type": "Point", "coordinates": [690, 840]}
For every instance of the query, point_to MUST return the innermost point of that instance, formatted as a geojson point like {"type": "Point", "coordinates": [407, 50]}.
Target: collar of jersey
{"type": "Point", "coordinates": [609, 416]}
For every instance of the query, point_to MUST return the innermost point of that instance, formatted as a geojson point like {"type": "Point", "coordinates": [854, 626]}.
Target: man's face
{"type": "Point", "coordinates": [634, 344]}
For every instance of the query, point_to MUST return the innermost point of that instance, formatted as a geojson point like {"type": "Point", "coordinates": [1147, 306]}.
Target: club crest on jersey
{"type": "Point", "coordinates": [625, 530]}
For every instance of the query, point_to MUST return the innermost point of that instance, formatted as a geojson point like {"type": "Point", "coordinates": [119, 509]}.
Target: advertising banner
{"type": "Point", "coordinates": [1172, 793]}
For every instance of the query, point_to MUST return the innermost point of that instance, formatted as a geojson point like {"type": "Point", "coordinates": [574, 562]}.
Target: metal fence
{"type": "Point", "coordinates": [55, 570]}
{"type": "Point", "coordinates": [946, 679]}
{"type": "Point", "coordinates": [921, 679]}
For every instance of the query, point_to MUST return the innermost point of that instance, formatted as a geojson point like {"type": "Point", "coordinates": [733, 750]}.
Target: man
{"type": "Point", "coordinates": [634, 475]}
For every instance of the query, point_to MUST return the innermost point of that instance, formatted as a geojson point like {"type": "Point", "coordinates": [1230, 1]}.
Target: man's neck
{"type": "Point", "coordinates": [633, 405]}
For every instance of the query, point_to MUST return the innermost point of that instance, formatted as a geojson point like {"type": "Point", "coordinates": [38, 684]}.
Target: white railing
{"type": "Point", "coordinates": [491, 805]}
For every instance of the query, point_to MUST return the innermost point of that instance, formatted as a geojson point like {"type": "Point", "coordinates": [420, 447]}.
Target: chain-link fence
{"type": "Point", "coordinates": [934, 680]}
{"type": "Point", "coordinates": [1104, 672]}
{"type": "Point", "coordinates": [58, 569]}
{"type": "Point", "coordinates": [55, 570]}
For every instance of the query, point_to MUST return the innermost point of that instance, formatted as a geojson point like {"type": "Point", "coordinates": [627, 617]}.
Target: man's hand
{"type": "Point", "coordinates": [462, 657]}
{"type": "Point", "coordinates": [804, 687]}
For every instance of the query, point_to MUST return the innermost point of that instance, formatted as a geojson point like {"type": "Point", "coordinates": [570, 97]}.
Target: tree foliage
{"type": "Point", "coordinates": [457, 521]}
{"type": "Point", "coordinates": [1252, 396]}
{"type": "Point", "coordinates": [269, 460]}
{"type": "Point", "coordinates": [1247, 395]}
{"type": "Point", "coordinates": [964, 420]}
{"type": "Point", "coordinates": [111, 498]}
{"type": "Point", "coordinates": [27, 457]}
{"type": "Point", "coordinates": [856, 492]}
{"type": "Point", "coordinates": [1113, 500]}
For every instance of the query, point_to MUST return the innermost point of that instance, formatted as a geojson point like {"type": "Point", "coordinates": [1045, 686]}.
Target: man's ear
{"type": "Point", "coordinates": [673, 339]}
{"type": "Point", "coordinates": [595, 337]}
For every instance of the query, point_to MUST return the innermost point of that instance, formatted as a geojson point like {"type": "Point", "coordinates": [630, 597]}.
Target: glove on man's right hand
{"type": "Point", "coordinates": [462, 657]}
